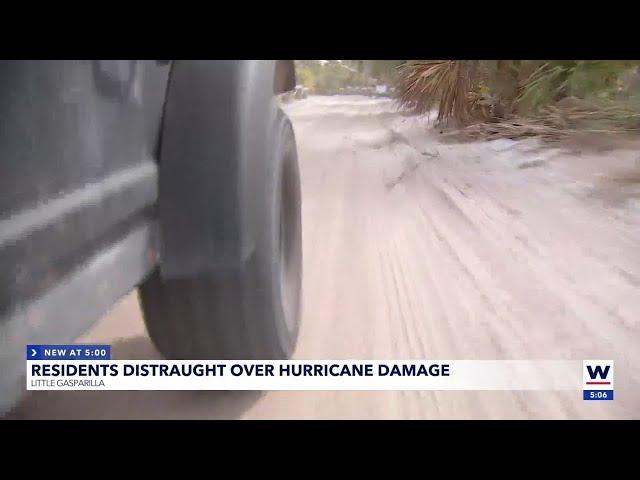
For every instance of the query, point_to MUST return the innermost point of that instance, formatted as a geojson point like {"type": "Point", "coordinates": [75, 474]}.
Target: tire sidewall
{"type": "Point", "coordinates": [268, 256]}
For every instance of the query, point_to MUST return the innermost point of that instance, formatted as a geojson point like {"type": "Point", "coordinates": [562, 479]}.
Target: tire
{"type": "Point", "coordinates": [249, 312]}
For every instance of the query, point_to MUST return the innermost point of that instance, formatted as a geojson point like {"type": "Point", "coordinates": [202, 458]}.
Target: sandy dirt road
{"type": "Point", "coordinates": [415, 248]}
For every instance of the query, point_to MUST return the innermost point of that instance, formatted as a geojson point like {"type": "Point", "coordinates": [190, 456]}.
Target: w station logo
{"type": "Point", "coordinates": [597, 379]}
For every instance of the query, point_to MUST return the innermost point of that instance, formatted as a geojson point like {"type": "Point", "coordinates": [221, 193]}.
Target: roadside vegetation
{"type": "Point", "coordinates": [520, 98]}
{"type": "Point", "coordinates": [329, 77]}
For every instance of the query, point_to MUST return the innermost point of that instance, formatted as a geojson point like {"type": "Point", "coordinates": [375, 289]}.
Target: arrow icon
{"type": "Point", "coordinates": [33, 351]}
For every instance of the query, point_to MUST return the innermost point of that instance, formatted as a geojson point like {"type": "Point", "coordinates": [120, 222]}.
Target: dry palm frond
{"type": "Point", "coordinates": [514, 129]}
{"type": "Point", "coordinates": [552, 124]}
{"type": "Point", "coordinates": [567, 117]}
{"type": "Point", "coordinates": [423, 84]}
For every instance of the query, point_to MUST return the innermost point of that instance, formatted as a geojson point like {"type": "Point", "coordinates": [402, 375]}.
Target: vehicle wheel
{"type": "Point", "coordinates": [240, 313]}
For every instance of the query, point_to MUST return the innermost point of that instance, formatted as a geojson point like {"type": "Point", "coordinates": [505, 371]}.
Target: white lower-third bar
{"type": "Point", "coordinates": [305, 375]}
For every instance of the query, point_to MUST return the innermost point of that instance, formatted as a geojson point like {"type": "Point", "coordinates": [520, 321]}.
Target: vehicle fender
{"type": "Point", "coordinates": [214, 152]}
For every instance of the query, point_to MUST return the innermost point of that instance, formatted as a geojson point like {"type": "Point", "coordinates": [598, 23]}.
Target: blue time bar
{"type": "Point", "coordinates": [597, 394]}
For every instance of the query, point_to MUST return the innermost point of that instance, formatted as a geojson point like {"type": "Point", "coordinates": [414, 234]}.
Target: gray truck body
{"type": "Point", "coordinates": [80, 144]}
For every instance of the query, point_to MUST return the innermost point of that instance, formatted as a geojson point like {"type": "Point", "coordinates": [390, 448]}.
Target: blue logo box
{"type": "Point", "coordinates": [69, 352]}
{"type": "Point", "coordinates": [597, 394]}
